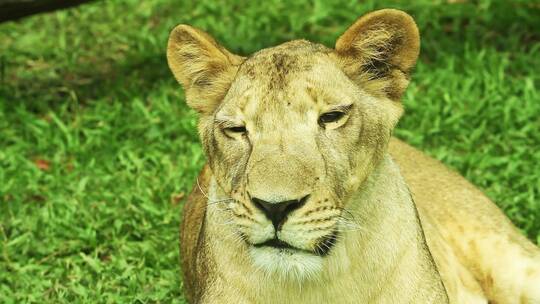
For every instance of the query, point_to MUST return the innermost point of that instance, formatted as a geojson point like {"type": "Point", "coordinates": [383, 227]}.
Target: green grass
{"type": "Point", "coordinates": [87, 96]}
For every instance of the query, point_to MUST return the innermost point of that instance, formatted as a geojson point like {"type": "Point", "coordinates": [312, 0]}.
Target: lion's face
{"type": "Point", "coordinates": [292, 133]}
{"type": "Point", "coordinates": [285, 134]}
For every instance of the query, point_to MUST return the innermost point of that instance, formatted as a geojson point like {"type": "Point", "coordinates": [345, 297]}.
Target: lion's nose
{"type": "Point", "coordinates": [277, 212]}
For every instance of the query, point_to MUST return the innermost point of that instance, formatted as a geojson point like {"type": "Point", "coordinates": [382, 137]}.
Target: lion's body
{"type": "Point", "coordinates": [479, 253]}
{"type": "Point", "coordinates": [306, 198]}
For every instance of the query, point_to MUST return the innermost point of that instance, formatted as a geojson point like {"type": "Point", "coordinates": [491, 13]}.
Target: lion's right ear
{"type": "Point", "coordinates": [203, 67]}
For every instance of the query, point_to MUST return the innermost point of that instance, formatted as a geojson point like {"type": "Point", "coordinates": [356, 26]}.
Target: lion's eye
{"type": "Point", "coordinates": [237, 129]}
{"type": "Point", "coordinates": [232, 131]}
{"type": "Point", "coordinates": [330, 117]}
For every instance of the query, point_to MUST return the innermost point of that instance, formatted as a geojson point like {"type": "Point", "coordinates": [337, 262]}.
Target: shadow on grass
{"type": "Point", "coordinates": [447, 29]}
{"type": "Point", "coordinates": [119, 82]}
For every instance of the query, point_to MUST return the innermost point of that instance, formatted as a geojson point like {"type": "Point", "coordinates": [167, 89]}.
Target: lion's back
{"type": "Point", "coordinates": [464, 229]}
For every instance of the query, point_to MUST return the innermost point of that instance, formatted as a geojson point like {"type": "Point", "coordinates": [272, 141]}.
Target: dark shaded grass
{"type": "Point", "coordinates": [87, 91]}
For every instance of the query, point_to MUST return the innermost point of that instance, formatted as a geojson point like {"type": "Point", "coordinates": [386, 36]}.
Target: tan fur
{"type": "Point", "coordinates": [196, 265]}
{"type": "Point", "coordinates": [380, 223]}
{"type": "Point", "coordinates": [504, 264]}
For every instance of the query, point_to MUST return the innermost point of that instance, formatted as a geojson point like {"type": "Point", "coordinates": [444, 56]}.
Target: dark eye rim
{"type": "Point", "coordinates": [330, 117]}
{"type": "Point", "coordinates": [236, 129]}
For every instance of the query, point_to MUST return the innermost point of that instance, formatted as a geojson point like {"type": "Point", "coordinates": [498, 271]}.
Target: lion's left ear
{"type": "Point", "coordinates": [379, 50]}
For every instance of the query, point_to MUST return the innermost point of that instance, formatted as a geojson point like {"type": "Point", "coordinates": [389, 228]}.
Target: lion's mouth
{"type": "Point", "coordinates": [278, 244]}
{"type": "Point", "coordinates": [322, 249]}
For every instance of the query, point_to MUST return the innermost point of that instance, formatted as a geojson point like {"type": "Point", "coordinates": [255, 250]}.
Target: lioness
{"type": "Point", "coordinates": [306, 198]}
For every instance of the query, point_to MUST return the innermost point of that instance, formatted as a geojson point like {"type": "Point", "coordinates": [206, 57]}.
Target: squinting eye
{"type": "Point", "coordinates": [330, 117]}
{"type": "Point", "coordinates": [240, 129]}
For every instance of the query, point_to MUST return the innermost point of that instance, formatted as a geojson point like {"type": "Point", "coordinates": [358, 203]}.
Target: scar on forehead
{"type": "Point", "coordinates": [322, 98]}
{"type": "Point", "coordinates": [243, 100]}
{"type": "Point", "coordinates": [312, 92]}
{"type": "Point", "coordinates": [318, 96]}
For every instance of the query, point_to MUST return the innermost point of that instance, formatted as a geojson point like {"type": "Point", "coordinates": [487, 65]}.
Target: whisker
{"type": "Point", "coordinates": [219, 201]}
{"type": "Point", "coordinates": [318, 220]}
{"type": "Point", "coordinates": [210, 201]}
{"type": "Point", "coordinates": [234, 237]}
{"type": "Point", "coordinates": [348, 226]}
{"type": "Point", "coordinates": [347, 211]}
{"type": "Point", "coordinates": [201, 189]}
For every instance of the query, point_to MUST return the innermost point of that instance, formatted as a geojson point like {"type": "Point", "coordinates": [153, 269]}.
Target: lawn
{"type": "Point", "coordinates": [98, 149]}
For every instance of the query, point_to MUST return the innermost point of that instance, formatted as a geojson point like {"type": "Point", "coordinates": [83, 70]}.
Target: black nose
{"type": "Point", "coordinates": [277, 212]}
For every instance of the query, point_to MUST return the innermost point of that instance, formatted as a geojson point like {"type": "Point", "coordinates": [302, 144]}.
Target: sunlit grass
{"type": "Point", "coordinates": [98, 150]}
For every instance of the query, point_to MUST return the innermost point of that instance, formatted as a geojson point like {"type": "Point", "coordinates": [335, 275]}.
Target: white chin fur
{"type": "Point", "coordinates": [286, 264]}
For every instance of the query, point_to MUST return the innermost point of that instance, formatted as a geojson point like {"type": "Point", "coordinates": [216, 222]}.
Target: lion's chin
{"type": "Point", "coordinates": [287, 263]}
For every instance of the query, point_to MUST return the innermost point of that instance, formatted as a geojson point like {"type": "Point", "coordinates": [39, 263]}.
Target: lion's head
{"type": "Point", "coordinates": [292, 131]}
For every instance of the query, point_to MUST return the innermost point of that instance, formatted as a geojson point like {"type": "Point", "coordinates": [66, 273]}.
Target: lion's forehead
{"type": "Point", "coordinates": [274, 65]}
{"type": "Point", "coordinates": [286, 85]}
